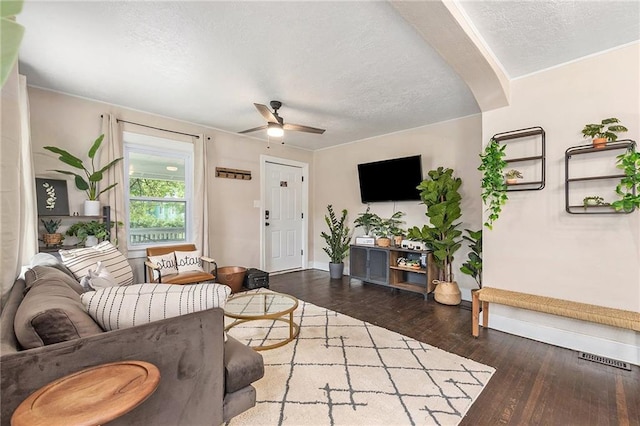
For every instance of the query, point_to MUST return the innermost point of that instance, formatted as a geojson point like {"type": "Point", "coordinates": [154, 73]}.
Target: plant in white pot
{"type": "Point", "coordinates": [338, 239]}
{"type": "Point", "coordinates": [89, 233]}
{"type": "Point", "coordinates": [89, 182]}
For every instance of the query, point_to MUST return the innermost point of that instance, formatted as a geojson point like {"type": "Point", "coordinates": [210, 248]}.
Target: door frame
{"type": "Point", "coordinates": [304, 243]}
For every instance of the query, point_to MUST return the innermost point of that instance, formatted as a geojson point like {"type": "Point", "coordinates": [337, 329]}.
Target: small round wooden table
{"type": "Point", "coordinates": [93, 396]}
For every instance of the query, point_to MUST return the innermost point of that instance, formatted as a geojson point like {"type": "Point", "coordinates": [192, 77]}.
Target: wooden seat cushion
{"type": "Point", "coordinates": [187, 278]}
{"type": "Point", "coordinates": [582, 311]}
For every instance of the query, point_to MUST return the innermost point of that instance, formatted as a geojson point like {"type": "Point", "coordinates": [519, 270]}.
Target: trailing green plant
{"type": "Point", "coordinates": [440, 194]}
{"type": "Point", "coordinates": [82, 230]}
{"type": "Point", "coordinates": [51, 225]}
{"type": "Point", "coordinates": [88, 182]}
{"type": "Point", "coordinates": [608, 129]}
{"type": "Point", "coordinates": [629, 187]}
{"type": "Point", "coordinates": [494, 188]}
{"type": "Point", "coordinates": [366, 220]}
{"type": "Point", "coordinates": [339, 236]}
{"type": "Point", "coordinates": [473, 265]}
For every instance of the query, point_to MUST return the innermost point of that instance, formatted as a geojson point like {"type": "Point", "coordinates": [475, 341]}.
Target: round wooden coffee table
{"type": "Point", "coordinates": [263, 306]}
{"type": "Point", "coordinates": [93, 396]}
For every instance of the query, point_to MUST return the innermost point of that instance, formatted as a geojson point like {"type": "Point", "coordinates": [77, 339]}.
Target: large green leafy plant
{"type": "Point", "coordinates": [473, 265]}
{"type": "Point", "coordinates": [629, 186]}
{"type": "Point", "coordinates": [366, 220]}
{"type": "Point", "coordinates": [339, 236]}
{"type": "Point", "coordinates": [494, 188]}
{"type": "Point", "coordinates": [440, 194]}
{"type": "Point", "coordinates": [88, 182]}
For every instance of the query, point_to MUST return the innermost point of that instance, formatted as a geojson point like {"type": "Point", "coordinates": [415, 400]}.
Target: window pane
{"type": "Point", "coordinates": [156, 176]}
{"type": "Point", "coordinates": [156, 221]}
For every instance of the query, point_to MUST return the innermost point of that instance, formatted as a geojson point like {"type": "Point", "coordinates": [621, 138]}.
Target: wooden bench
{"type": "Point", "coordinates": [582, 311]}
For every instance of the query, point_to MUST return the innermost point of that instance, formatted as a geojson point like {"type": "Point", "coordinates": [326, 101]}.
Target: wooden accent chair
{"type": "Point", "coordinates": [190, 277]}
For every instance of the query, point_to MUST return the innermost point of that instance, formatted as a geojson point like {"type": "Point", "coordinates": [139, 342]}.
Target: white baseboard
{"type": "Point", "coordinates": [569, 339]}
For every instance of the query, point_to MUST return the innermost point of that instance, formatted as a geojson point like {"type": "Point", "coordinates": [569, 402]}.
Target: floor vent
{"type": "Point", "coordinates": [605, 361]}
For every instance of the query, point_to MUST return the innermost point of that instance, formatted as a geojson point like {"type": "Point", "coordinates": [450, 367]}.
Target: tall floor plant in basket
{"type": "Point", "coordinates": [338, 239]}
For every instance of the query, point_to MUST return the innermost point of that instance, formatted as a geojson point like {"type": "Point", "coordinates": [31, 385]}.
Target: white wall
{"type": "Point", "coordinates": [455, 144]}
{"type": "Point", "coordinates": [73, 124]}
{"type": "Point", "coordinates": [536, 247]}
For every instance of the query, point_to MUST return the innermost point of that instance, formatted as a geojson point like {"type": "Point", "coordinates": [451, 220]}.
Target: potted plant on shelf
{"type": "Point", "coordinates": [494, 188]}
{"type": "Point", "coordinates": [366, 221]}
{"type": "Point", "coordinates": [337, 240]}
{"type": "Point", "coordinates": [629, 187]}
{"type": "Point", "coordinates": [89, 182]}
{"type": "Point", "coordinates": [440, 194]}
{"type": "Point", "coordinates": [88, 233]}
{"type": "Point", "coordinates": [512, 176]}
{"type": "Point", "coordinates": [592, 200]}
{"type": "Point", "coordinates": [51, 237]}
{"type": "Point", "coordinates": [604, 132]}
{"type": "Point", "coordinates": [385, 228]}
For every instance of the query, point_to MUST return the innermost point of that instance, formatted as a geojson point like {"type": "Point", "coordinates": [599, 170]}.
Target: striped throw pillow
{"type": "Point", "coordinates": [80, 260]}
{"type": "Point", "coordinates": [114, 308]}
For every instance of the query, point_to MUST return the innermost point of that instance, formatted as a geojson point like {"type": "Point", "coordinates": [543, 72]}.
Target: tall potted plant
{"type": "Point", "coordinates": [337, 239]}
{"type": "Point", "coordinates": [440, 194]}
{"type": "Point", "coordinates": [92, 177]}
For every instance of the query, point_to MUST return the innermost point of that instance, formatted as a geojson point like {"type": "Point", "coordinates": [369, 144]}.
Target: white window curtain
{"type": "Point", "coordinates": [113, 147]}
{"type": "Point", "coordinates": [18, 210]}
{"type": "Point", "coordinates": [201, 200]}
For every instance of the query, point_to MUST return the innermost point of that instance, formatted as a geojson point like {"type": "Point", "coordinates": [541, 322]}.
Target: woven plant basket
{"type": "Point", "coordinates": [52, 239]}
{"type": "Point", "coordinates": [447, 293]}
{"type": "Point", "coordinates": [383, 242]}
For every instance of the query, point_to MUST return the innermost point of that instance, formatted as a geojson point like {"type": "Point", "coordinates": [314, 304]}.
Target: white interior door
{"type": "Point", "coordinates": [283, 222]}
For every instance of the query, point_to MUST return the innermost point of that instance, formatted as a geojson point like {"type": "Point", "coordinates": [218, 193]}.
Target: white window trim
{"type": "Point", "coordinates": [151, 145]}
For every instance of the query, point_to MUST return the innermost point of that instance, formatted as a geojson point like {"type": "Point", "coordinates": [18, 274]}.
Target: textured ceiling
{"type": "Point", "coordinates": [357, 69]}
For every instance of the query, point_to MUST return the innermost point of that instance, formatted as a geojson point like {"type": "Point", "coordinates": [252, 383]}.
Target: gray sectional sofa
{"type": "Point", "coordinates": [204, 380]}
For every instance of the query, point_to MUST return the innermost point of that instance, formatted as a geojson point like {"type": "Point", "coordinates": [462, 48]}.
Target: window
{"type": "Point", "coordinates": [159, 182]}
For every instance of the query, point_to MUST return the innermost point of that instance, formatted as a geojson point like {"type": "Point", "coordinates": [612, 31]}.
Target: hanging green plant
{"type": "Point", "coordinates": [494, 188]}
{"type": "Point", "coordinates": [629, 187]}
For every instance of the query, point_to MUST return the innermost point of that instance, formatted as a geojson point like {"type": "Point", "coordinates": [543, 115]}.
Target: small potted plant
{"type": "Point", "coordinates": [366, 221]}
{"type": "Point", "coordinates": [88, 233]}
{"type": "Point", "coordinates": [604, 132]}
{"type": "Point", "coordinates": [512, 176]}
{"type": "Point", "coordinates": [592, 200]}
{"type": "Point", "coordinates": [385, 228]}
{"type": "Point", "coordinates": [51, 237]}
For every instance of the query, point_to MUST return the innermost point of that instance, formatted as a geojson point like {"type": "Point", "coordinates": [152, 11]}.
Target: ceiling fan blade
{"type": "Point", "coordinates": [255, 129]}
{"type": "Point", "coordinates": [300, 128]}
{"type": "Point", "coordinates": [266, 113]}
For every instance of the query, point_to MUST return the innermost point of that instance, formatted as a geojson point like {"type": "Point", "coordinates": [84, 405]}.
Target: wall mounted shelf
{"type": "Point", "coordinates": [588, 151]}
{"type": "Point", "coordinates": [528, 135]}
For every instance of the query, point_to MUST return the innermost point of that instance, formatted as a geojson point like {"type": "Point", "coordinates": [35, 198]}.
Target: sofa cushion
{"type": "Point", "coordinates": [79, 261]}
{"type": "Point", "coordinates": [242, 365]}
{"type": "Point", "coordinates": [42, 274]}
{"type": "Point", "coordinates": [51, 311]}
{"type": "Point", "coordinates": [127, 306]}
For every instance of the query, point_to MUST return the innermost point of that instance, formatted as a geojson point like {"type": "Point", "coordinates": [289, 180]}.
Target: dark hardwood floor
{"type": "Point", "coordinates": [534, 383]}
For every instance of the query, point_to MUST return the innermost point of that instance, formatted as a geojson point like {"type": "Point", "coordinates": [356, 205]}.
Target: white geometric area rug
{"type": "Point", "coordinates": [342, 371]}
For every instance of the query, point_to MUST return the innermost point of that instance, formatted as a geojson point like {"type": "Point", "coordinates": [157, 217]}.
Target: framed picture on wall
{"type": "Point", "coordinates": [52, 197]}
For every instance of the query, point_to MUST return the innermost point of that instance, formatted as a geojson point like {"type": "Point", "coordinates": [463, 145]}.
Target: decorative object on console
{"type": "Point", "coordinates": [440, 194]}
{"type": "Point", "coordinates": [337, 241]}
{"type": "Point", "coordinates": [52, 197]}
{"type": "Point", "coordinates": [494, 188]}
{"type": "Point", "coordinates": [89, 182]}
{"type": "Point", "coordinates": [512, 176]}
{"type": "Point", "coordinates": [629, 187]}
{"type": "Point", "coordinates": [592, 200]}
{"type": "Point", "coordinates": [604, 132]}
{"type": "Point", "coordinates": [367, 221]}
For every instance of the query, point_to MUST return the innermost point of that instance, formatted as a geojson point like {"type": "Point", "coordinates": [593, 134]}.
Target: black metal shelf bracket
{"type": "Point", "coordinates": [524, 133]}
{"type": "Point", "coordinates": [622, 144]}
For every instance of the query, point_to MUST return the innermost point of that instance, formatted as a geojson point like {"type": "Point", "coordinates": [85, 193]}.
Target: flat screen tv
{"type": "Point", "coordinates": [390, 180]}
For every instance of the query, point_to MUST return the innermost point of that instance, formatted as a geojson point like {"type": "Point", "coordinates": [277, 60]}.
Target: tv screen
{"type": "Point", "coordinates": [390, 180]}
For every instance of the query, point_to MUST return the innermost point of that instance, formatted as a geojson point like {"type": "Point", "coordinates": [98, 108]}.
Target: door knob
{"type": "Point", "coordinates": [266, 224]}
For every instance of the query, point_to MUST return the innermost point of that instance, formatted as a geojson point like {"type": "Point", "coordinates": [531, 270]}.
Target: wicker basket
{"type": "Point", "coordinates": [447, 293]}
{"type": "Point", "coordinates": [233, 276]}
{"type": "Point", "coordinates": [52, 239]}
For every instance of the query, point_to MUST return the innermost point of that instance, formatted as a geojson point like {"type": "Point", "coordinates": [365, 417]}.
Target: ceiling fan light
{"type": "Point", "coordinates": [275, 130]}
